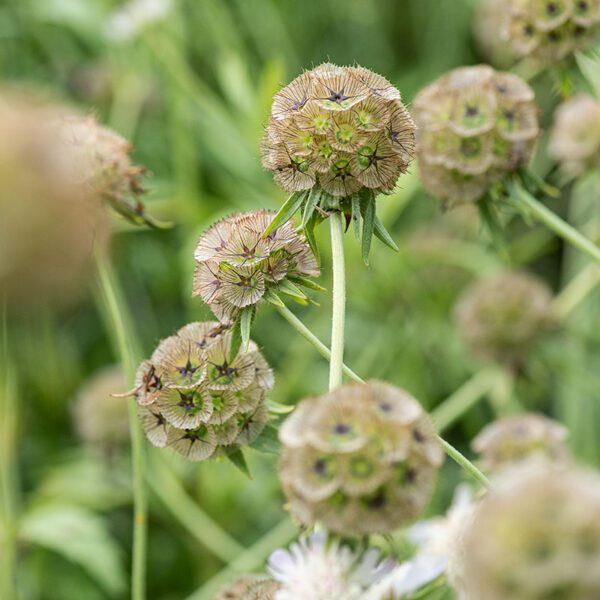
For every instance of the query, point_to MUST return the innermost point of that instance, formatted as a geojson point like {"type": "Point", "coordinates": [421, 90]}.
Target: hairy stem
{"type": "Point", "coordinates": [339, 300]}
{"type": "Point", "coordinates": [124, 344]}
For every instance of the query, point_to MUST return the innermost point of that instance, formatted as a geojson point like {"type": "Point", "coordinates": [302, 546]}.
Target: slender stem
{"type": "Point", "coordinates": [554, 222]}
{"type": "Point", "coordinates": [339, 300]}
{"type": "Point", "coordinates": [124, 344]}
{"type": "Point", "coordinates": [464, 462]}
{"type": "Point", "coordinates": [576, 291]}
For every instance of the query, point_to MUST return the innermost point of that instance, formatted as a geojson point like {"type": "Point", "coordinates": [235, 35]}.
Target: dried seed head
{"type": "Point", "coordinates": [575, 137]}
{"type": "Point", "coordinates": [342, 128]}
{"type": "Point", "coordinates": [512, 439]}
{"type": "Point", "coordinates": [251, 587]}
{"type": "Point", "coordinates": [475, 125]}
{"type": "Point", "coordinates": [193, 397]}
{"type": "Point", "coordinates": [101, 419]}
{"type": "Point", "coordinates": [235, 264]}
{"type": "Point", "coordinates": [361, 459]}
{"type": "Point", "coordinates": [487, 29]}
{"type": "Point", "coordinates": [500, 316]}
{"type": "Point", "coordinates": [48, 224]}
{"type": "Point", "coordinates": [550, 30]}
{"type": "Point", "coordinates": [536, 535]}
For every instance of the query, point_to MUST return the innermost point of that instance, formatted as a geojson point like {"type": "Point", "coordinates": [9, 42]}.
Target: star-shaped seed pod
{"type": "Point", "coordinates": [337, 137]}
{"type": "Point", "coordinates": [198, 397]}
{"type": "Point", "coordinates": [238, 264]}
{"type": "Point", "coordinates": [535, 535]}
{"type": "Point", "coordinates": [501, 316]}
{"type": "Point", "coordinates": [361, 459]}
{"type": "Point", "coordinates": [476, 125]}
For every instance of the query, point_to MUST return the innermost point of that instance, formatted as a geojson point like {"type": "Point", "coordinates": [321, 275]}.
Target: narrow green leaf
{"type": "Point", "coordinates": [236, 339]}
{"type": "Point", "coordinates": [306, 282]}
{"type": "Point", "coordinates": [356, 215]}
{"type": "Point", "coordinates": [589, 65]}
{"type": "Point", "coordinates": [286, 212]}
{"type": "Point", "coordinates": [491, 221]}
{"type": "Point", "coordinates": [267, 441]}
{"type": "Point", "coordinates": [238, 459]}
{"type": "Point", "coordinates": [272, 298]}
{"type": "Point", "coordinates": [368, 213]}
{"type": "Point", "coordinates": [246, 319]}
{"type": "Point", "coordinates": [278, 408]}
{"type": "Point", "coordinates": [381, 233]}
{"type": "Point", "coordinates": [288, 288]}
{"type": "Point", "coordinates": [309, 208]}
{"type": "Point", "coordinates": [309, 232]}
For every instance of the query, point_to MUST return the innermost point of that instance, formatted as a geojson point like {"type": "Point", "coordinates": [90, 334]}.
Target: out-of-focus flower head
{"type": "Point", "coordinates": [101, 419]}
{"type": "Point", "coordinates": [320, 568]}
{"type": "Point", "coordinates": [250, 587]}
{"type": "Point", "coordinates": [475, 126]}
{"type": "Point", "coordinates": [575, 136]}
{"type": "Point", "coordinates": [339, 128]}
{"type": "Point", "coordinates": [236, 264]}
{"type": "Point", "coordinates": [511, 439]}
{"type": "Point", "coordinates": [48, 223]}
{"type": "Point", "coordinates": [536, 534]}
{"type": "Point", "coordinates": [487, 28]}
{"type": "Point", "coordinates": [194, 397]}
{"type": "Point", "coordinates": [502, 315]}
{"type": "Point", "coordinates": [360, 459]}
{"type": "Point", "coordinates": [550, 30]}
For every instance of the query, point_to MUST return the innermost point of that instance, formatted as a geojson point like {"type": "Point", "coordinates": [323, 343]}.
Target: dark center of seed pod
{"type": "Point", "coordinates": [528, 30]}
{"type": "Point", "coordinates": [551, 8]}
{"type": "Point", "coordinates": [377, 501]}
{"type": "Point", "coordinates": [471, 110]}
{"type": "Point", "coordinates": [554, 36]}
{"type": "Point", "coordinates": [187, 401]}
{"type": "Point", "coordinates": [418, 436]}
{"type": "Point", "coordinates": [151, 380]}
{"type": "Point", "coordinates": [338, 97]}
{"type": "Point", "coordinates": [187, 370]}
{"type": "Point", "coordinates": [385, 407]}
{"type": "Point", "coordinates": [583, 5]}
{"type": "Point", "coordinates": [342, 429]}
{"type": "Point", "coordinates": [299, 104]}
{"type": "Point", "coordinates": [224, 370]}
{"type": "Point", "coordinates": [341, 168]}
{"type": "Point", "coordinates": [195, 435]}
{"type": "Point", "coordinates": [470, 147]}
{"type": "Point", "coordinates": [245, 281]}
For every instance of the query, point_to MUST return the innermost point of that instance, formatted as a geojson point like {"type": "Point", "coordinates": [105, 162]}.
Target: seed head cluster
{"type": "Point", "coordinates": [475, 125]}
{"type": "Point", "coordinates": [236, 264]}
{"type": "Point", "coordinates": [361, 459]}
{"type": "Point", "coordinates": [250, 587]}
{"type": "Point", "coordinates": [195, 399]}
{"type": "Point", "coordinates": [342, 128]}
{"type": "Point", "coordinates": [536, 535]}
{"type": "Point", "coordinates": [501, 316]}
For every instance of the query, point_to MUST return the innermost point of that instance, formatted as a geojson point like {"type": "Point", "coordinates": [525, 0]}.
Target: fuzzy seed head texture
{"type": "Point", "coordinates": [475, 125]}
{"type": "Point", "coordinates": [193, 398]}
{"type": "Point", "coordinates": [250, 587]}
{"type": "Point", "coordinates": [360, 459]}
{"type": "Point", "coordinates": [340, 128]}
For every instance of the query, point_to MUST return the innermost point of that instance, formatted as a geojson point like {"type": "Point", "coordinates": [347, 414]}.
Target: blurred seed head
{"type": "Point", "coordinates": [236, 265]}
{"type": "Point", "coordinates": [575, 135]}
{"type": "Point", "coordinates": [549, 30]}
{"type": "Point", "coordinates": [536, 535]}
{"type": "Point", "coordinates": [515, 438]}
{"type": "Point", "coordinates": [251, 587]}
{"type": "Point", "coordinates": [194, 398]}
{"type": "Point", "coordinates": [475, 126]}
{"type": "Point", "coordinates": [101, 419]}
{"type": "Point", "coordinates": [48, 223]}
{"type": "Point", "coordinates": [361, 459]}
{"type": "Point", "coordinates": [487, 29]}
{"type": "Point", "coordinates": [501, 316]}
{"type": "Point", "coordinates": [341, 128]}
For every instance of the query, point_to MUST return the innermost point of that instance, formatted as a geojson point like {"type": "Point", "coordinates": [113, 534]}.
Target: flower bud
{"type": "Point", "coordinates": [251, 587]}
{"type": "Point", "coordinates": [575, 135]}
{"type": "Point", "coordinates": [195, 398]}
{"type": "Point", "coordinates": [475, 126]}
{"type": "Point", "coordinates": [360, 459]}
{"type": "Point", "coordinates": [512, 439]}
{"type": "Point", "coordinates": [340, 128]}
{"type": "Point", "coordinates": [501, 316]}
{"type": "Point", "coordinates": [536, 535]}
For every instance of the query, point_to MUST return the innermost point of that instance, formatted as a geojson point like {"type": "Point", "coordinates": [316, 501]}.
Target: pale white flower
{"type": "Point", "coordinates": [318, 568]}
{"type": "Point", "coordinates": [127, 21]}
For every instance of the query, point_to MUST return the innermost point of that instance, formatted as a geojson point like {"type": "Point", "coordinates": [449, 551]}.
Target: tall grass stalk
{"type": "Point", "coordinates": [339, 300]}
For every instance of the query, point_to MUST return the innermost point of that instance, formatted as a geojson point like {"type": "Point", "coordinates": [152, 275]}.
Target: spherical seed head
{"type": "Point", "coordinates": [536, 535]}
{"type": "Point", "coordinates": [501, 316]}
{"type": "Point", "coordinates": [515, 438]}
{"type": "Point", "coordinates": [236, 263]}
{"type": "Point", "coordinates": [250, 587]}
{"type": "Point", "coordinates": [550, 30]}
{"type": "Point", "coordinates": [101, 419]}
{"type": "Point", "coordinates": [195, 398]}
{"type": "Point", "coordinates": [361, 459]}
{"type": "Point", "coordinates": [475, 125]}
{"type": "Point", "coordinates": [341, 128]}
{"type": "Point", "coordinates": [48, 224]}
{"type": "Point", "coordinates": [575, 136]}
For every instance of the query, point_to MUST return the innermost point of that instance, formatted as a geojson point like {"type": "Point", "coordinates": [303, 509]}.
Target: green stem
{"type": "Point", "coordinates": [576, 291]}
{"type": "Point", "coordinates": [339, 300]}
{"type": "Point", "coordinates": [554, 222]}
{"type": "Point", "coordinates": [124, 343]}
{"type": "Point", "coordinates": [464, 463]}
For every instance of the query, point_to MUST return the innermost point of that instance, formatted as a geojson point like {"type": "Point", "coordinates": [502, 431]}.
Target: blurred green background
{"type": "Point", "coordinates": [192, 90]}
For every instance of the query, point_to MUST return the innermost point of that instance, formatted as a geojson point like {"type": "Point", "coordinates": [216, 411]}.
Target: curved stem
{"type": "Point", "coordinates": [464, 463]}
{"type": "Point", "coordinates": [554, 222]}
{"type": "Point", "coordinates": [124, 344]}
{"type": "Point", "coordinates": [339, 300]}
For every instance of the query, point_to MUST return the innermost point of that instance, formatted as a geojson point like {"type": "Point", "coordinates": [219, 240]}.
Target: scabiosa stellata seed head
{"type": "Point", "coordinates": [194, 397]}
{"type": "Point", "coordinates": [515, 438]}
{"type": "Point", "coordinates": [340, 128]}
{"type": "Point", "coordinates": [575, 135]}
{"type": "Point", "coordinates": [250, 587]}
{"type": "Point", "coordinates": [475, 126]}
{"type": "Point", "coordinates": [550, 30]}
{"type": "Point", "coordinates": [501, 316]}
{"type": "Point", "coordinates": [236, 263]}
{"type": "Point", "coordinates": [536, 535]}
{"type": "Point", "coordinates": [360, 459]}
